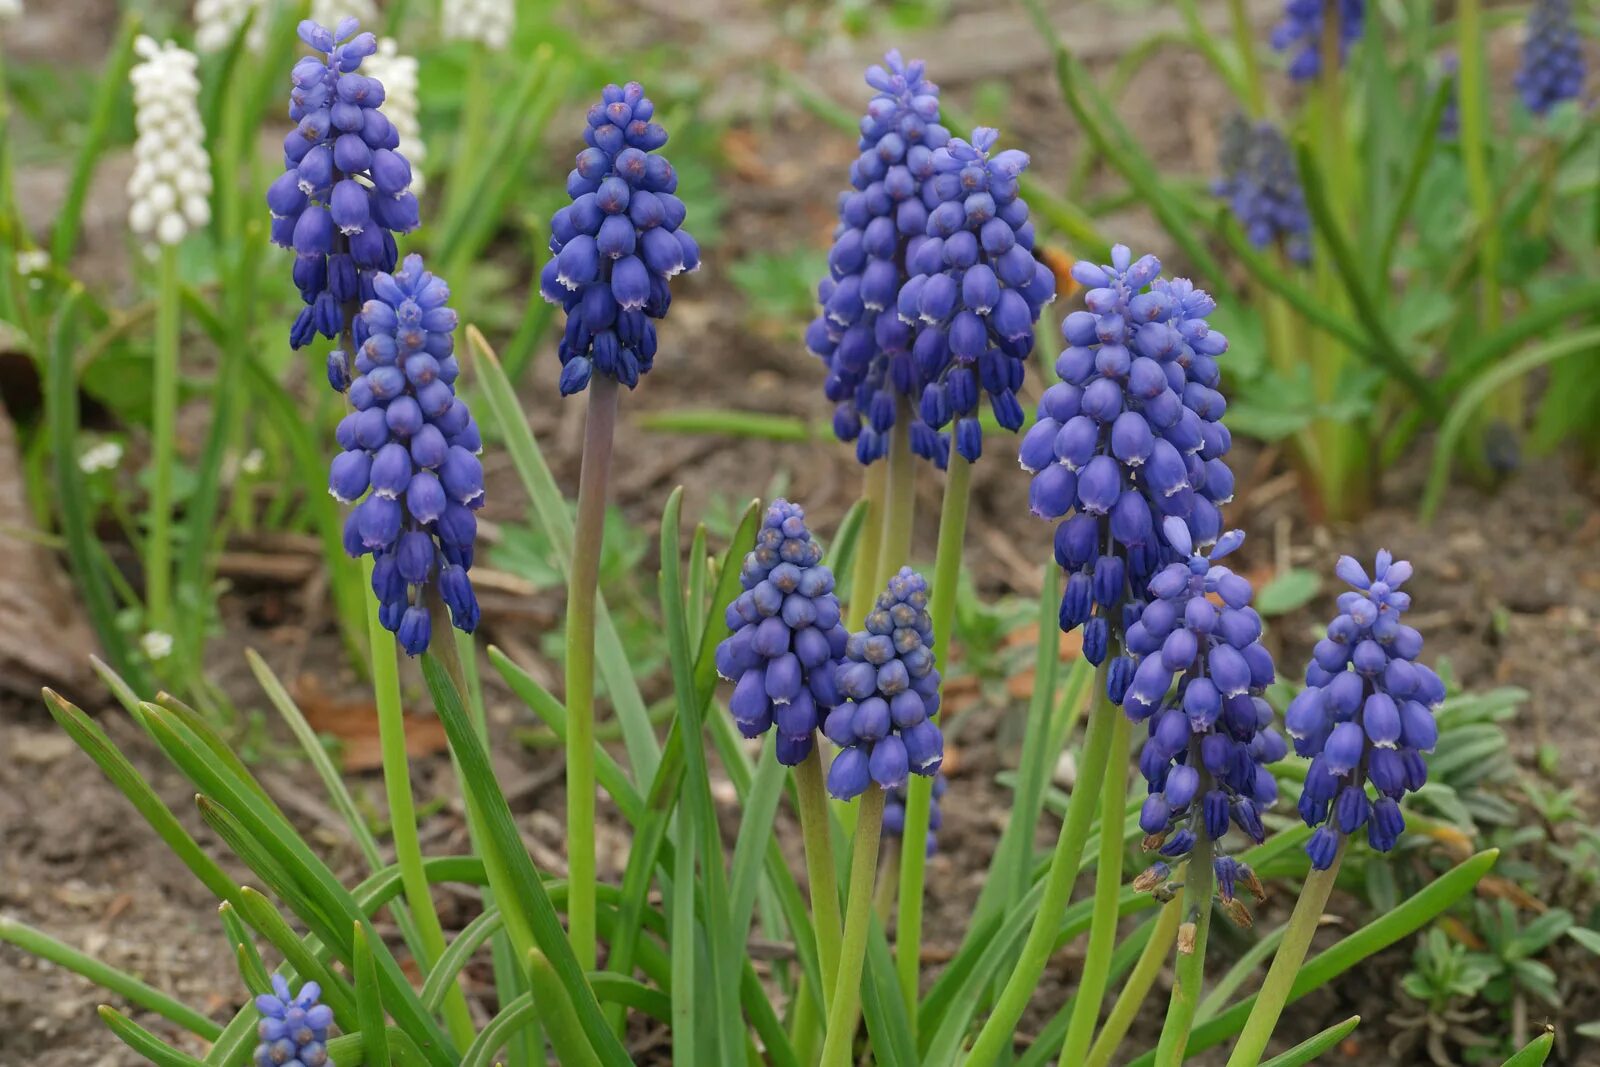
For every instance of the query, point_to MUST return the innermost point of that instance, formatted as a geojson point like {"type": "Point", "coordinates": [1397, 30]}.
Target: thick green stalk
{"type": "Point", "coordinates": [163, 440]}
{"type": "Point", "coordinates": [845, 1004]}
{"type": "Point", "coordinates": [1191, 965]}
{"type": "Point", "coordinates": [900, 503]}
{"type": "Point", "coordinates": [1285, 965]}
{"type": "Point", "coordinates": [820, 867]}
{"type": "Point", "coordinates": [994, 1040]}
{"type": "Point", "coordinates": [581, 592]}
{"type": "Point", "coordinates": [403, 813]}
{"type": "Point", "coordinates": [1107, 894]}
{"type": "Point", "coordinates": [874, 484]}
{"type": "Point", "coordinates": [919, 792]}
{"type": "Point", "coordinates": [1137, 987]}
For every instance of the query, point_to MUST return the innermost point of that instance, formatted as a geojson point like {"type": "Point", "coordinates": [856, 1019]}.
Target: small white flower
{"type": "Point", "coordinates": [217, 21]}
{"type": "Point", "coordinates": [489, 22]}
{"type": "Point", "coordinates": [171, 182]}
{"type": "Point", "coordinates": [32, 260]}
{"type": "Point", "coordinates": [398, 74]}
{"type": "Point", "coordinates": [156, 644]}
{"type": "Point", "coordinates": [253, 461]}
{"type": "Point", "coordinates": [101, 457]}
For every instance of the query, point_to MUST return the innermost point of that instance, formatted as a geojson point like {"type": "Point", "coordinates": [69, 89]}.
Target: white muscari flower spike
{"type": "Point", "coordinates": [101, 457]}
{"type": "Point", "coordinates": [217, 21]}
{"type": "Point", "coordinates": [398, 73]}
{"type": "Point", "coordinates": [170, 187]}
{"type": "Point", "coordinates": [489, 22]}
{"type": "Point", "coordinates": [156, 644]}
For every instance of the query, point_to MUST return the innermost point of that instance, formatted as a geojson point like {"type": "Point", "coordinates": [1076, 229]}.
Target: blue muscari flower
{"type": "Point", "coordinates": [1552, 57]}
{"type": "Point", "coordinates": [1210, 734]}
{"type": "Point", "coordinates": [410, 460]}
{"type": "Point", "coordinates": [1450, 117]}
{"type": "Point", "coordinates": [345, 189]}
{"type": "Point", "coordinates": [1366, 713]}
{"type": "Point", "coordinates": [1261, 184]}
{"type": "Point", "coordinates": [1129, 436]}
{"type": "Point", "coordinates": [894, 812]}
{"type": "Point", "coordinates": [975, 289]}
{"type": "Point", "coordinates": [293, 1027]}
{"type": "Point", "coordinates": [866, 346]}
{"type": "Point", "coordinates": [1300, 32]}
{"type": "Point", "coordinates": [889, 693]}
{"type": "Point", "coordinates": [787, 638]}
{"type": "Point", "coordinates": [614, 249]}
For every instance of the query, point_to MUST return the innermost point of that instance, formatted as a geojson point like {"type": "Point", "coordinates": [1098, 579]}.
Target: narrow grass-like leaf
{"type": "Point", "coordinates": [369, 1002]}
{"type": "Point", "coordinates": [723, 423]}
{"type": "Point", "coordinates": [143, 1041]}
{"type": "Point", "coordinates": [756, 814]}
{"type": "Point", "coordinates": [38, 943]}
{"type": "Point", "coordinates": [685, 952]}
{"type": "Point", "coordinates": [251, 970]}
{"type": "Point", "coordinates": [1534, 1053]}
{"type": "Point", "coordinates": [883, 1006]}
{"type": "Point", "coordinates": [550, 995]}
{"type": "Point", "coordinates": [1054, 1032]}
{"type": "Point", "coordinates": [1421, 155]}
{"type": "Point", "coordinates": [472, 936]}
{"type": "Point", "coordinates": [337, 993]}
{"type": "Point", "coordinates": [1246, 965]}
{"type": "Point", "coordinates": [1312, 1047]}
{"type": "Point", "coordinates": [113, 83]}
{"type": "Point", "coordinates": [630, 992]}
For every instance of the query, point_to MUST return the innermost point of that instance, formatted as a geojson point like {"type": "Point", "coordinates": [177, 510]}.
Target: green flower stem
{"type": "Point", "coordinates": [1191, 965]}
{"type": "Point", "coordinates": [864, 572]}
{"type": "Point", "coordinates": [163, 430]}
{"type": "Point", "coordinates": [845, 1003]}
{"type": "Point", "coordinates": [403, 813]}
{"type": "Point", "coordinates": [1244, 39]}
{"type": "Point", "coordinates": [581, 592]}
{"type": "Point", "coordinates": [994, 1040]}
{"type": "Point", "coordinates": [900, 502]}
{"type": "Point", "coordinates": [1107, 893]}
{"type": "Point", "coordinates": [808, 781]}
{"type": "Point", "coordinates": [1285, 967]}
{"type": "Point", "coordinates": [1137, 987]}
{"type": "Point", "coordinates": [919, 793]}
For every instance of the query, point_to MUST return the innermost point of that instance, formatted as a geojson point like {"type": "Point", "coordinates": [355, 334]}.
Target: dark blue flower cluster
{"type": "Point", "coordinates": [1300, 32]}
{"type": "Point", "coordinates": [889, 690]}
{"type": "Point", "coordinates": [1261, 184]}
{"type": "Point", "coordinates": [345, 191]}
{"type": "Point", "coordinates": [1552, 57]}
{"type": "Point", "coordinates": [866, 347]}
{"type": "Point", "coordinates": [787, 637]}
{"type": "Point", "coordinates": [617, 245]}
{"type": "Point", "coordinates": [976, 289]}
{"type": "Point", "coordinates": [293, 1027]}
{"type": "Point", "coordinates": [1129, 436]}
{"type": "Point", "coordinates": [1210, 735]}
{"type": "Point", "coordinates": [410, 453]}
{"type": "Point", "coordinates": [1366, 714]}
{"type": "Point", "coordinates": [894, 812]}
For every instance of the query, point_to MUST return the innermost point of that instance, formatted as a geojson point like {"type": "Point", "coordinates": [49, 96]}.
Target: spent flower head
{"type": "Point", "coordinates": [975, 290]}
{"type": "Point", "coordinates": [866, 346]}
{"type": "Point", "coordinates": [1300, 32]}
{"type": "Point", "coordinates": [616, 247]}
{"type": "Point", "coordinates": [889, 693]}
{"type": "Point", "coordinates": [1552, 57]}
{"type": "Point", "coordinates": [170, 185]}
{"type": "Point", "coordinates": [787, 638]}
{"type": "Point", "coordinates": [1366, 713]}
{"type": "Point", "coordinates": [1261, 184]}
{"type": "Point", "coordinates": [293, 1027]}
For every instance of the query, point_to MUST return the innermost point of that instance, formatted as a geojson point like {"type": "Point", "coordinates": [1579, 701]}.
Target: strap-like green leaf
{"type": "Point", "coordinates": [1534, 1053]}
{"type": "Point", "coordinates": [1312, 1047]}
{"type": "Point", "coordinates": [369, 1002]}
{"type": "Point", "coordinates": [144, 1042]}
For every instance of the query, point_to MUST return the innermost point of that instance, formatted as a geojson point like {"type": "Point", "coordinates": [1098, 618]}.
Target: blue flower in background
{"type": "Point", "coordinates": [410, 461]}
{"type": "Point", "coordinates": [787, 638]}
{"type": "Point", "coordinates": [889, 692]}
{"type": "Point", "coordinates": [1201, 670]}
{"type": "Point", "coordinates": [616, 247]}
{"type": "Point", "coordinates": [1300, 32]}
{"type": "Point", "coordinates": [894, 812]}
{"type": "Point", "coordinates": [346, 189]}
{"type": "Point", "coordinates": [1450, 117]}
{"type": "Point", "coordinates": [865, 345]}
{"type": "Point", "coordinates": [293, 1027]}
{"type": "Point", "coordinates": [975, 290]}
{"type": "Point", "coordinates": [1366, 713]}
{"type": "Point", "coordinates": [1261, 184]}
{"type": "Point", "coordinates": [1552, 57]}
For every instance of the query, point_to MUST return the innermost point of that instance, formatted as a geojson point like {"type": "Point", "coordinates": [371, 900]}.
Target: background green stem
{"type": "Point", "coordinates": [874, 484]}
{"type": "Point", "coordinates": [1191, 965]}
{"type": "Point", "coordinates": [1285, 965]}
{"type": "Point", "coordinates": [900, 502]}
{"type": "Point", "coordinates": [581, 591]}
{"type": "Point", "coordinates": [919, 792]}
{"type": "Point", "coordinates": [1107, 898]}
{"type": "Point", "coordinates": [163, 446]}
{"type": "Point", "coordinates": [1244, 39]}
{"type": "Point", "coordinates": [808, 780]}
{"type": "Point", "coordinates": [994, 1040]}
{"type": "Point", "coordinates": [845, 1003]}
{"type": "Point", "coordinates": [1135, 989]}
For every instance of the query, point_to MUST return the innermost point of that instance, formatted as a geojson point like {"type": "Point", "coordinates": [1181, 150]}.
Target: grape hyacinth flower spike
{"type": "Point", "coordinates": [975, 290]}
{"type": "Point", "coordinates": [1130, 436]}
{"type": "Point", "coordinates": [865, 345]}
{"type": "Point", "coordinates": [889, 692]}
{"type": "Point", "coordinates": [1261, 185]}
{"type": "Point", "coordinates": [410, 461]}
{"type": "Point", "coordinates": [1552, 57]}
{"type": "Point", "coordinates": [616, 247]}
{"type": "Point", "coordinates": [1366, 714]}
{"type": "Point", "coordinates": [1300, 32]}
{"type": "Point", "coordinates": [293, 1026]}
{"type": "Point", "coordinates": [170, 185]}
{"type": "Point", "coordinates": [787, 638]}
{"type": "Point", "coordinates": [1210, 735]}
